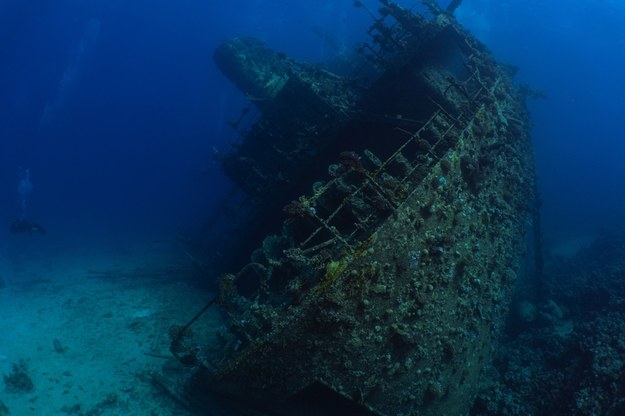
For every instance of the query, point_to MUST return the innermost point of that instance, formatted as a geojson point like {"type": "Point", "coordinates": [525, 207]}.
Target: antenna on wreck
{"type": "Point", "coordinates": [453, 5]}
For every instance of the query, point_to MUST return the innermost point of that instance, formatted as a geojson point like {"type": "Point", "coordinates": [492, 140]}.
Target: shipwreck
{"type": "Point", "coordinates": [378, 224]}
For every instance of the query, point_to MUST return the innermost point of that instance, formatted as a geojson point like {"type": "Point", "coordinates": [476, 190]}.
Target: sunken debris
{"type": "Point", "coordinates": [564, 354]}
{"type": "Point", "coordinates": [393, 206]}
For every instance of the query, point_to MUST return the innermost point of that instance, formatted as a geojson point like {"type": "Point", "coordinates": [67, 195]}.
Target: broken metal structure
{"type": "Point", "coordinates": [382, 227]}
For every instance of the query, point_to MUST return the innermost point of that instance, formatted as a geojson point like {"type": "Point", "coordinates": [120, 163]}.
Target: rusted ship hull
{"type": "Point", "coordinates": [387, 283]}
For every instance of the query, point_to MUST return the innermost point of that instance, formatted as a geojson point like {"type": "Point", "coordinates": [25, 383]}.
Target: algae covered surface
{"type": "Point", "coordinates": [385, 286]}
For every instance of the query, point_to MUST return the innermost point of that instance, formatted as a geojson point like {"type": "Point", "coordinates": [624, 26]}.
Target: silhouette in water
{"type": "Point", "coordinates": [21, 226]}
{"type": "Point", "coordinates": [24, 188]}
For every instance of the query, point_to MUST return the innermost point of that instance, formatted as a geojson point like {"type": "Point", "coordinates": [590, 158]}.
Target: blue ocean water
{"type": "Point", "coordinates": [110, 111]}
{"type": "Point", "coordinates": [573, 52]}
{"type": "Point", "coordinates": [115, 107]}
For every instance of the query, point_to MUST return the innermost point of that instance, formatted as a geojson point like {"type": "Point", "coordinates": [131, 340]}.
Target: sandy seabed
{"type": "Point", "coordinates": [90, 325]}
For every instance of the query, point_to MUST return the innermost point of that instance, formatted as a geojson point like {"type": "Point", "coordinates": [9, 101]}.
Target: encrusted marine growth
{"type": "Point", "coordinates": [402, 202]}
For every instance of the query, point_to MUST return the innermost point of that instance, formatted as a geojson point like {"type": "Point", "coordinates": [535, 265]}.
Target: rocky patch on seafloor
{"type": "Point", "coordinates": [18, 380]}
{"type": "Point", "coordinates": [566, 355]}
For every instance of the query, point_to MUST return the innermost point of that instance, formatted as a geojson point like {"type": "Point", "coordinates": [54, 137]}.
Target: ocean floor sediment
{"type": "Point", "coordinates": [81, 332]}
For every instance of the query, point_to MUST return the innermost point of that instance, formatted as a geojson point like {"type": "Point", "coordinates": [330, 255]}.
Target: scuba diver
{"type": "Point", "coordinates": [24, 188]}
{"type": "Point", "coordinates": [21, 226]}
